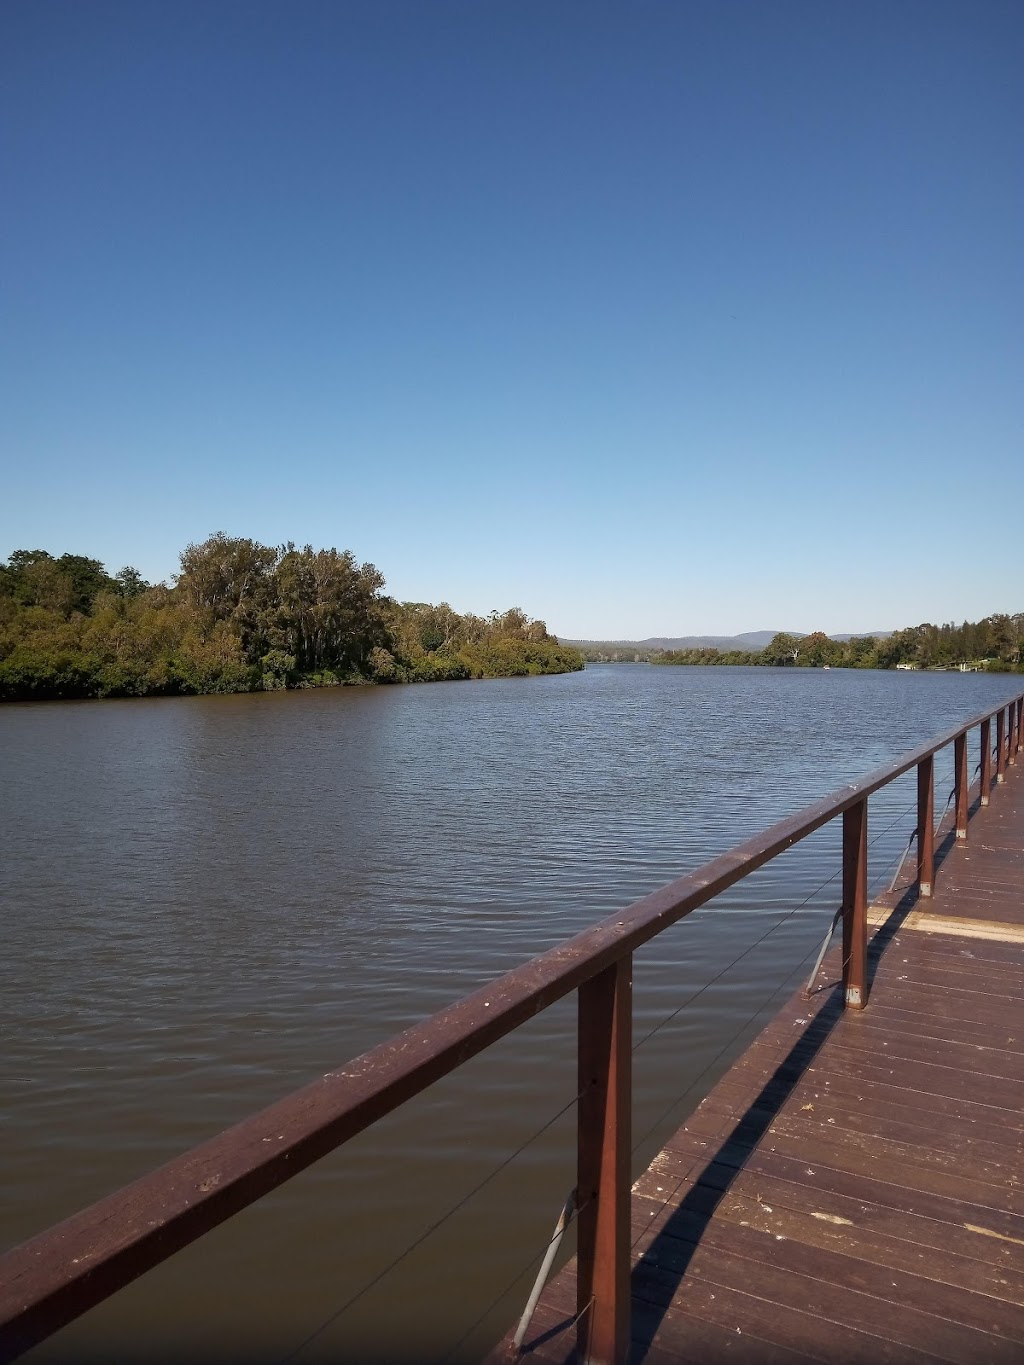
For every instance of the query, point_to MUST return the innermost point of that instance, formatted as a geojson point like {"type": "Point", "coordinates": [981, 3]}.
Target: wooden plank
{"type": "Point", "coordinates": [839, 1233]}
{"type": "Point", "coordinates": [1001, 1258]}
{"type": "Point", "coordinates": [973, 1009]}
{"type": "Point", "coordinates": [952, 1203]}
{"type": "Point", "coordinates": [891, 1152]}
{"type": "Point", "coordinates": [998, 1224]}
{"type": "Point", "coordinates": [964, 925]}
{"type": "Point", "coordinates": [817, 1082]}
{"type": "Point", "coordinates": [733, 1241]}
{"type": "Point", "coordinates": [709, 1342]}
{"type": "Point", "coordinates": [997, 1094]}
{"type": "Point", "coordinates": [973, 958]}
{"type": "Point", "coordinates": [843, 1307]}
{"type": "Point", "coordinates": [977, 905]}
{"type": "Point", "coordinates": [976, 1204]}
{"type": "Point", "coordinates": [930, 1172]}
{"type": "Point", "coordinates": [983, 950]}
{"type": "Point", "coordinates": [872, 1116]}
{"type": "Point", "coordinates": [994, 1093]}
{"type": "Point", "coordinates": [884, 1225]}
{"type": "Point", "coordinates": [711, 1324]}
{"type": "Point", "coordinates": [919, 1025]}
{"type": "Point", "coordinates": [964, 1141]}
{"type": "Point", "coordinates": [668, 1325]}
{"type": "Point", "coordinates": [748, 1314]}
{"type": "Point", "coordinates": [935, 978]}
{"type": "Point", "coordinates": [892, 1046]}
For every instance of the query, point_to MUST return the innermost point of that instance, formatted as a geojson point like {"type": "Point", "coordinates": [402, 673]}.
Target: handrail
{"type": "Point", "coordinates": [62, 1272]}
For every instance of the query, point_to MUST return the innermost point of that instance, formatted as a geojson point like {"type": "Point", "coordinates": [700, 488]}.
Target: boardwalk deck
{"type": "Point", "coordinates": [853, 1189]}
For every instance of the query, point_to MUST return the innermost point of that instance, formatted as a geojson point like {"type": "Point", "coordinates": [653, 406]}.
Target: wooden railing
{"type": "Point", "coordinates": [60, 1274]}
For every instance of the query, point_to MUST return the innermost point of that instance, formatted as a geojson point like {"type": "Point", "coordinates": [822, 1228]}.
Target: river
{"type": "Point", "coordinates": [206, 902]}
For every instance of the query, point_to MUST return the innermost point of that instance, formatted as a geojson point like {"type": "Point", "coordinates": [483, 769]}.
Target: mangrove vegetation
{"type": "Point", "coordinates": [242, 617]}
{"type": "Point", "coordinates": [994, 644]}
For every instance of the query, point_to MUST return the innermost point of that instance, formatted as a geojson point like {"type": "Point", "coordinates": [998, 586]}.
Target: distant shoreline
{"type": "Point", "coordinates": [992, 645]}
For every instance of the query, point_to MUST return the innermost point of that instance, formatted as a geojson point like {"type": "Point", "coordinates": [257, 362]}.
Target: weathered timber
{"type": "Point", "coordinates": [853, 1187]}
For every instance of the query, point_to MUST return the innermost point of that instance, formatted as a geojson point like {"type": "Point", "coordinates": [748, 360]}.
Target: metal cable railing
{"type": "Point", "coordinates": [428, 1232]}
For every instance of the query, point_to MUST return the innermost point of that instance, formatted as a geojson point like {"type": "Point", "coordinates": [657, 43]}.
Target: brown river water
{"type": "Point", "coordinates": [207, 902]}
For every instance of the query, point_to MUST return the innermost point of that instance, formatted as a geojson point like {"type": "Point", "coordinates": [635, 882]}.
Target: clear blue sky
{"type": "Point", "coordinates": [651, 317]}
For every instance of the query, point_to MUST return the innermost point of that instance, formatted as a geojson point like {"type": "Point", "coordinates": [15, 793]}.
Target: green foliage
{"type": "Point", "coordinates": [241, 617]}
{"type": "Point", "coordinates": [705, 656]}
{"type": "Point", "coordinates": [601, 653]}
{"type": "Point", "coordinates": [783, 650]}
{"type": "Point", "coordinates": [130, 582]}
{"type": "Point", "coordinates": [277, 670]}
{"type": "Point", "coordinates": [382, 665]}
{"type": "Point", "coordinates": [433, 644]}
{"type": "Point", "coordinates": [995, 643]}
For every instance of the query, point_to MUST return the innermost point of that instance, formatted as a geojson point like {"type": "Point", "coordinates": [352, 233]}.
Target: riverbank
{"type": "Point", "coordinates": [243, 617]}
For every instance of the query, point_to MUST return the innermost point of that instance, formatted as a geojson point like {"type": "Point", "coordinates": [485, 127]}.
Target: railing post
{"type": "Point", "coordinates": [960, 784]}
{"type": "Point", "coordinates": [1000, 745]}
{"type": "Point", "coordinates": [926, 825]}
{"type": "Point", "coordinates": [986, 760]}
{"type": "Point", "coordinates": [855, 905]}
{"type": "Point", "coordinates": [1020, 722]}
{"type": "Point", "coordinates": [1011, 734]}
{"type": "Point", "coordinates": [603, 1164]}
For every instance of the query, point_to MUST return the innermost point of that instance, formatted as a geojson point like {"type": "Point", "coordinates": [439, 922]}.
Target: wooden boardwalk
{"type": "Point", "coordinates": [853, 1189]}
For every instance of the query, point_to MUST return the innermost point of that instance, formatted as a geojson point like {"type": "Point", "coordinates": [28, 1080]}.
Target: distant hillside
{"type": "Point", "coordinates": [749, 640]}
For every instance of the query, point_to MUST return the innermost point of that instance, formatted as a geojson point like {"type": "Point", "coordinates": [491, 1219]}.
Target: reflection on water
{"type": "Point", "coordinates": [208, 901]}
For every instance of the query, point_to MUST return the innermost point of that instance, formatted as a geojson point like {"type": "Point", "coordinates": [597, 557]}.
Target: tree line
{"type": "Point", "coordinates": [240, 617]}
{"type": "Point", "coordinates": [995, 644]}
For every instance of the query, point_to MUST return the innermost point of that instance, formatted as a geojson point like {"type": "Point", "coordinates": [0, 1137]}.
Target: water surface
{"type": "Point", "coordinates": [207, 902]}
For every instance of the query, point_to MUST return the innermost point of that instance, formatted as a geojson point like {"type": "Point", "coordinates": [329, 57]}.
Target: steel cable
{"type": "Point", "coordinates": [428, 1232]}
{"type": "Point", "coordinates": [722, 1051]}
{"type": "Point", "coordinates": [534, 1260]}
{"type": "Point", "coordinates": [768, 932]}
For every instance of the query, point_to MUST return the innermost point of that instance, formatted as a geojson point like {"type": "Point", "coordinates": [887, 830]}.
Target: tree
{"type": "Point", "coordinates": [783, 649]}
{"type": "Point", "coordinates": [816, 650]}
{"type": "Point", "coordinates": [130, 582]}
{"type": "Point", "coordinates": [230, 579]}
{"type": "Point", "coordinates": [13, 582]}
{"type": "Point", "coordinates": [87, 577]}
{"type": "Point", "coordinates": [861, 651]}
{"type": "Point", "coordinates": [329, 614]}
